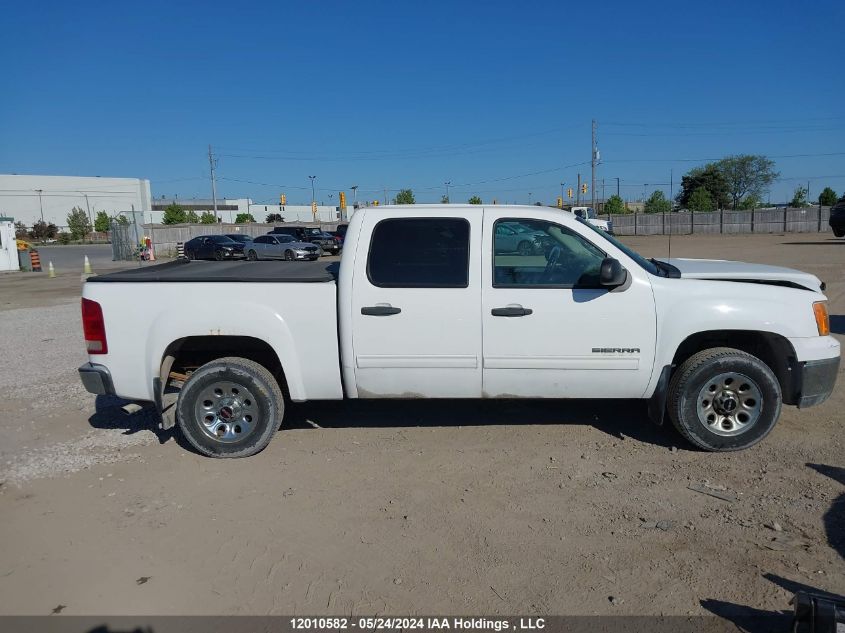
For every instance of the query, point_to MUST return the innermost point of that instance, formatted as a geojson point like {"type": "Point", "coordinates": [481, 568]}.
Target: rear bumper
{"type": "Point", "coordinates": [96, 379]}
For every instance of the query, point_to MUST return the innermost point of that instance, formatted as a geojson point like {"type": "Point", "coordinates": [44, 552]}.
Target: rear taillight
{"type": "Point", "coordinates": [94, 327]}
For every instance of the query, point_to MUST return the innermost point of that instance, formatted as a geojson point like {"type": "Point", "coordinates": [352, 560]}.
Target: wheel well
{"type": "Point", "coordinates": [772, 349]}
{"type": "Point", "coordinates": [186, 354]}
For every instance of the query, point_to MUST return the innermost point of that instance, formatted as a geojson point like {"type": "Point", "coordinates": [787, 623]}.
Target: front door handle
{"type": "Point", "coordinates": [382, 310]}
{"type": "Point", "coordinates": [511, 311]}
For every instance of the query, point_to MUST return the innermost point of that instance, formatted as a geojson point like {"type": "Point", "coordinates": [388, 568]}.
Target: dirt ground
{"type": "Point", "coordinates": [415, 507]}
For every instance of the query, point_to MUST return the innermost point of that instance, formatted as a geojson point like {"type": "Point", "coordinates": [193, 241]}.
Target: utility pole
{"type": "Point", "coordinates": [617, 187]}
{"type": "Point", "coordinates": [593, 162]}
{"type": "Point", "coordinates": [447, 183]}
{"type": "Point", "coordinates": [87, 206]}
{"type": "Point", "coordinates": [578, 191]}
{"type": "Point", "coordinates": [213, 180]}
{"type": "Point", "coordinates": [40, 205]}
{"type": "Point", "coordinates": [671, 188]}
{"type": "Point", "coordinates": [529, 198]}
{"type": "Point", "coordinates": [603, 199]}
{"type": "Point", "coordinates": [561, 192]}
{"type": "Point", "coordinates": [385, 195]}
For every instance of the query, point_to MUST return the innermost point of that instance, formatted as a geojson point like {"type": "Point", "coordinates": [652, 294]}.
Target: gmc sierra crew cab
{"type": "Point", "coordinates": [441, 302]}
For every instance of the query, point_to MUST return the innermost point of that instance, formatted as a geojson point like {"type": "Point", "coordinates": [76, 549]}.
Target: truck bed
{"type": "Point", "coordinates": [181, 271]}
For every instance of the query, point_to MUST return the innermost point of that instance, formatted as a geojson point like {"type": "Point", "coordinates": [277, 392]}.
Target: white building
{"type": "Point", "coordinates": [30, 198]}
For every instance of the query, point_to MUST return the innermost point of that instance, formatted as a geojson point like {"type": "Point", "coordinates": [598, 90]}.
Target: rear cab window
{"type": "Point", "coordinates": [419, 253]}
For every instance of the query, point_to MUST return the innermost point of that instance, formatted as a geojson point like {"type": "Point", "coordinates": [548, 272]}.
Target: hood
{"type": "Point", "coordinates": [719, 269]}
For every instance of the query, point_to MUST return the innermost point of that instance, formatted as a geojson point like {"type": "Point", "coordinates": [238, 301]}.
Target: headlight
{"type": "Point", "coordinates": [822, 318]}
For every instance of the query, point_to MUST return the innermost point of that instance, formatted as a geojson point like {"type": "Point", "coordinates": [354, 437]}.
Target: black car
{"type": "Point", "coordinates": [310, 234]}
{"type": "Point", "coordinates": [217, 247]}
{"type": "Point", "coordinates": [239, 237]}
{"type": "Point", "coordinates": [837, 218]}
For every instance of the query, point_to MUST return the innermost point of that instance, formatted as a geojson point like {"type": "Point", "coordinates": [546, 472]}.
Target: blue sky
{"type": "Point", "coordinates": [412, 94]}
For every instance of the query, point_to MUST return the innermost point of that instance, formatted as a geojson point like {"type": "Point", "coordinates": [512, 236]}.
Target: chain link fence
{"type": "Point", "coordinates": [127, 233]}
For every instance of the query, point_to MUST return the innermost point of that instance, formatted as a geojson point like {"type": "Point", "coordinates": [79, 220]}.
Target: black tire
{"type": "Point", "coordinates": [288, 256]}
{"type": "Point", "coordinates": [838, 233]}
{"type": "Point", "coordinates": [690, 382]}
{"type": "Point", "coordinates": [252, 256]}
{"type": "Point", "coordinates": [218, 255]}
{"type": "Point", "coordinates": [189, 255]}
{"type": "Point", "coordinates": [235, 375]}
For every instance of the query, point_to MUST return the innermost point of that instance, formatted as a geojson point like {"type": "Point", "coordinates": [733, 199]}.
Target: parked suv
{"type": "Point", "coordinates": [837, 218]}
{"type": "Point", "coordinates": [309, 234]}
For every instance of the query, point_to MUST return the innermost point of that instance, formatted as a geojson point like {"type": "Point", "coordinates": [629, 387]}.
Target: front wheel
{"type": "Point", "coordinates": [288, 256]}
{"type": "Point", "coordinates": [723, 399]}
{"type": "Point", "coordinates": [230, 407]}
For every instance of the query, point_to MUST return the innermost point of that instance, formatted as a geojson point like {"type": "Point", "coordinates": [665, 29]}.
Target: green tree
{"type": "Point", "coordinates": [827, 198]}
{"type": "Point", "coordinates": [78, 223]}
{"type": "Point", "coordinates": [799, 198]}
{"type": "Point", "coordinates": [122, 220]}
{"type": "Point", "coordinates": [405, 196]}
{"type": "Point", "coordinates": [750, 202]}
{"type": "Point", "coordinates": [274, 217]}
{"type": "Point", "coordinates": [21, 231]}
{"type": "Point", "coordinates": [657, 203]}
{"type": "Point", "coordinates": [64, 238]}
{"type": "Point", "coordinates": [746, 174]}
{"type": "Point", "coordinates": [700, 200]}
{"type": "Point", "coordinates": [208, 217]}
{"type": "Point", "coordinates": [243, 218]}
{"type": "Point", "coordinates": [41, 230]}
{"type": "Point", "coordinates": [191, 217]}
{"type": "Point", "coordinates": [615, 205]}
{"type": "Point", "coordinates": [173, 214]}
{"type": "Point", "coordinates": [444, 199]}
{"type": "Point", "coordinates": [101, 222]}
{"type": "Point", "coordinates": [711, 179]}
{"type": "Point", "coordinates": [475, 200]}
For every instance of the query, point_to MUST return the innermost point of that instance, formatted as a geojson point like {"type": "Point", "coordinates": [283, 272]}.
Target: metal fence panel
{"type": "Point", "coordinates": [806, 220]}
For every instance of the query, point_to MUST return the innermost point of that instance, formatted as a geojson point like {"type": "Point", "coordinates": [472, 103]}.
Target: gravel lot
{"type": "Point", "coordinates": [413, 507]}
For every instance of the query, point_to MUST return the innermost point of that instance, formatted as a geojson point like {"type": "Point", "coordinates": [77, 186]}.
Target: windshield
{"type": "Point", "coordinates": [313, 231]}
{"type": "Point", "coordinates": [642, 261]}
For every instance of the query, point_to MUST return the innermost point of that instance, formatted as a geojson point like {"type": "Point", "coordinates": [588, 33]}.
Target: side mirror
{"type": "Point", "coordinates": [612, 274]}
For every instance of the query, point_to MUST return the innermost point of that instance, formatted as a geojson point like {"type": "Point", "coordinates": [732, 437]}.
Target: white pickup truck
{"type": "Point", "coordinates": [440, 302]}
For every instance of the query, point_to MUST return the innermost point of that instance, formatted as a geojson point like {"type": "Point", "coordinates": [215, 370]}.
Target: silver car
{"type": "Point", "coordinates": [281, 247]}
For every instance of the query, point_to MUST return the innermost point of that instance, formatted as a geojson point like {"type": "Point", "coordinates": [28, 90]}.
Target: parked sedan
{"type": "Point", "coordinates": [281, 247]}
{"type": "Point", "coordinates": [240, 237]}
{"type": "Point", "coordinates": [217, 247]}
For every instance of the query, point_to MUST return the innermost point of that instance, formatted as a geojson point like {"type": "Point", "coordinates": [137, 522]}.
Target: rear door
{"type": "Point", "coordinates": [550, 329]}
{"type": "Point", "coordinates": [415, 300]}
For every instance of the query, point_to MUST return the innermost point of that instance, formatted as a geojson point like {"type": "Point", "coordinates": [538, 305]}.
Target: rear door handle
{"type": "Point", "coordinates": [382, 310]}
{"type": "Point", "coordinates": [511, 311]}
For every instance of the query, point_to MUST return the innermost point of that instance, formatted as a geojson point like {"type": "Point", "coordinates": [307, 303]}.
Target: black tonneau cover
{"type": "Point", "coordinates": [238, 272]}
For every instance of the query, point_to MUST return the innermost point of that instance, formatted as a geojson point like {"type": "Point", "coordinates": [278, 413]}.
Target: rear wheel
{"type": "Point", "coordinates": [252, 256]}
{"type": "Point", "coordinates": [838, 233]}
{"type": "Point", "coordinates": [723, 399]}
{"type": "Point", "coordinates": [230, 407]}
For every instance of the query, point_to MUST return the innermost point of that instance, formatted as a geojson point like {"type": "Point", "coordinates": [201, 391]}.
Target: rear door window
{"type": "Point", "coordinates": [419, 253]}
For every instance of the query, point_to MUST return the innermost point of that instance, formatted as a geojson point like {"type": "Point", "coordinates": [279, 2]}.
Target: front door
{"type": "Point", "coordinates": [550, 330]}
{"type": "Point", "coordinates": [417, 288]}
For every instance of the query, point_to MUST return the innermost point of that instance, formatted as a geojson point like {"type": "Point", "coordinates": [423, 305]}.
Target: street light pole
{"type": "Point", "coordinates": [448, 183]}
{"type": "Point", "coordinates": [313, 197]}
{"type": "Point", "coordinates": [529, 198]}
{"type": "Point", "coordinates": [354, 195]}
{"type": "Point", "coordinates": [561, 193]}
